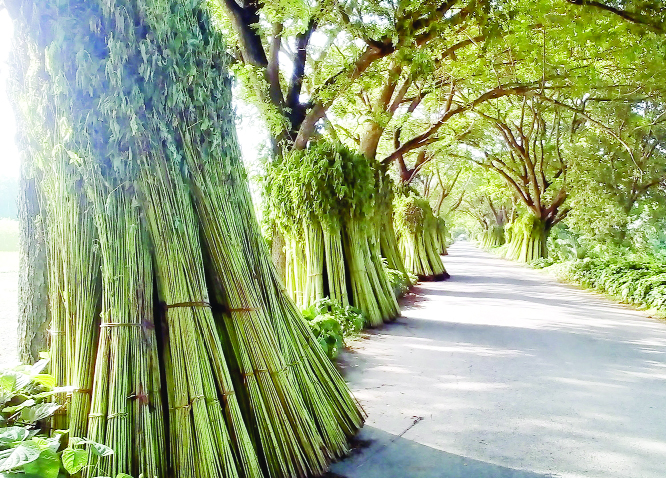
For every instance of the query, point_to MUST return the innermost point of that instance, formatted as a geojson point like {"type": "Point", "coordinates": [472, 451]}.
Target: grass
{"type": "Point", "coordinates": [8, 235]}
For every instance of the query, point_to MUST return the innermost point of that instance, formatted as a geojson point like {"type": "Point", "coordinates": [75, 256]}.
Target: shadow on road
{"type": "Point", "coordinates": [508, 367]}
{"type": "Point", "coordinates": [382, 455]}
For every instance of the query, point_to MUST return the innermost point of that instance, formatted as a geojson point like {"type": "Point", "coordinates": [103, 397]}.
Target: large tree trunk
{"type": "Point", "coordinates": [33, 318]}
{"type": "Point", "coordinates": [372, 133]}
{"type": "Point", "coordinates": [33, 308]}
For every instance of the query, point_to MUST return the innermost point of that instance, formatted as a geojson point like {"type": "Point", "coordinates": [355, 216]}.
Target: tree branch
{"type": "Point", "coordinates": [243, 20]}
{"type": "Point", "coordinates": [273, 67]}
{"type": "Point", "coordinates": [426, 137]}
{"type": "Point", "coordinates": [632, 17]}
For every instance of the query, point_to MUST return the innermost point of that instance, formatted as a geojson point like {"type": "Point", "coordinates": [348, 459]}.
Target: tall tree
{"type": "Point", "coordinates": [525, 147]}
{"type": "Point", "coordinates": [611, 182]}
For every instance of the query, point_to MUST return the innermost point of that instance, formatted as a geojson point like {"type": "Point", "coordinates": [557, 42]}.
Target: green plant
{"type": "Point", "coordinates": [636, 281]}
{"type": "Point", "coordinates": [542, 262]}
{"type": "Point", "coordinates": [400, 283]}
{"type": "Point", "coordinates": [331, 323]}
{"type": "Point", "coordinates": [26, 449]}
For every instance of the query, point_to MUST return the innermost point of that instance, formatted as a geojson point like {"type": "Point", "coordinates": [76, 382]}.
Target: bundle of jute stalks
{"type": "Point", "coordinates": [416, 226]}
{"type": "Point", "coordinates": [171, 329]}
{"type": "Point", "coordinates": [324, 201]}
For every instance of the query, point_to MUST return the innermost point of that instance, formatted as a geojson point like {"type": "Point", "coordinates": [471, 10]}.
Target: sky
{"type": "Point", "coordinates": [252, 134]}
{"type": "Point", "coordinates": [9, 159]}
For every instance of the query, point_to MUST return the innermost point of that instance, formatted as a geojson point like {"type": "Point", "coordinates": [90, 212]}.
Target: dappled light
{"type": "Point", "coordinates": [506, 366]}
{"type": "Point", "coordinates": [312, 238]}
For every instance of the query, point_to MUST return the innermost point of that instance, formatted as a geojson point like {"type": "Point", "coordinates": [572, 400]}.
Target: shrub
{"type": "Point", "coordinates": [634, 281]}
{"type": "Point", "coordinates": [26, 450]}
{"type": "Point", "coordinates": [400, 283]}
{"type": "Point", "coordinates": [332, 323]}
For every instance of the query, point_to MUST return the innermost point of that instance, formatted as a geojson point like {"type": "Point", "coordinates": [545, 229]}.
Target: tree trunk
{"type": "Point", "coordinates": [370, 137]}
{"type": "Point", "coordinates": [33, 307]}
{"type": "Point", "coordinates": [33, 318]}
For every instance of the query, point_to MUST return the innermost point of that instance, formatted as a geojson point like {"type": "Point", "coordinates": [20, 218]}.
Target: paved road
{"type": "Point", "coordinates": [502, 372]}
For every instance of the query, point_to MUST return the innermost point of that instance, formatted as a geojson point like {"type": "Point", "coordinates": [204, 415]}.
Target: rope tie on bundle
{"type": "Point", "coordinates": [80, 390]}
{"type": "Point", "coordinates": [188, 405]}
{"type": "Point", "coordinates": [225, 396]}
{"type": "Point", "coordinates": [111, 416]}
{"type": "Point", "coordinates": [188, 304]}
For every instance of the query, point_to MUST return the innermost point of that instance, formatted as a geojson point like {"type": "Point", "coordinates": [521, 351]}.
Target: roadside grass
{"type": "Point", "coordinates": [8, 235]}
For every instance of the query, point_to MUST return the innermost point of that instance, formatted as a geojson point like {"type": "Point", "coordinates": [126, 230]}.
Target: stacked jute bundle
{"type": "Point", "coordinates": [388, 239]}
{"type": "Point", "coordinates": [416, 226]}
{"type": "Point", "coordinates": [442, 236]}
{"type": "Point", "coordinates": [170, 326]}
{"type": "Point", "coordinates": [492, 237]}
{"type": "Point", "coordinates": [527, 239]}
{"type": "Point", "coordinates": [324, 200]}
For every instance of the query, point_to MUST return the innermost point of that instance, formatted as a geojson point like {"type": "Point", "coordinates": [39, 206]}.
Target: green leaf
{"type": "Point", "coordinates": [74, 459]}
{"type": "Point", "coordinates": [47, 380]}
{"type": "Point", "coordinates": [39, 366]}
{"type": "Point", "coordinates": [46, 466]}
{"type": "Point", "coordinates": [7, 381]}
{"type": "Point", "coordinates": [43, 443]}
{"type": "Point", "coordinates": [21, 455]}
{"type": "Point", "coordinates": [99, 449]}
{"type": "Point", "coordinates": [13, 434]}
{"type": "Point", "coordinates": [38, 412]}
{"type": "Point", "coordinates": [27, 403]}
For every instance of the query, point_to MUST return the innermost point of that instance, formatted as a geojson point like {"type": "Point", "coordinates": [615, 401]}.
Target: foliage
{"type": "Point", "coordinates": [332, 323]}
{"type": "Point", "coordinates": [327, 181]}
{"type": "Point", "coordinates": [638, 281]}
{"type": "Point", "coordinates": [614, 185]}
{"type": "Point", "coordinates": [412, 212]}
{"type": "Point", "coordinates": [25, 448]}
{"type": "Point", "coordinates": [400, 282]}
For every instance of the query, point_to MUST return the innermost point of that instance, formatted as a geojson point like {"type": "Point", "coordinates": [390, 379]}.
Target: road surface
{"type": "Point", "coordinates": [503, 372]}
